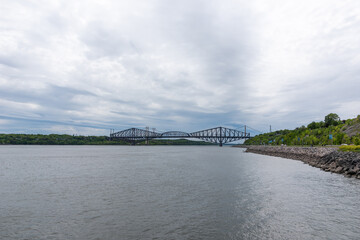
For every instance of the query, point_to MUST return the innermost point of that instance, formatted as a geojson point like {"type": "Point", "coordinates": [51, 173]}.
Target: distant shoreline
{"type": "Point", "coordinates": [64, 139]}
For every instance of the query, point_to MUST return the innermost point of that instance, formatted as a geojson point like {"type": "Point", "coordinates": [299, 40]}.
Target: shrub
{"type": "Point", "coordinates": [353, 148]}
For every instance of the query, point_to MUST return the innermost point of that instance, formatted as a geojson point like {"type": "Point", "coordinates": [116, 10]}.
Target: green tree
{"type": "Point", "coordinates": [346, 139]}
{"type": "Point", "coordinates": [331, 119]}
{"type": "Point", "coordinates": [356, 140]}
{"type": "Point", "coordinates": [313, 125]}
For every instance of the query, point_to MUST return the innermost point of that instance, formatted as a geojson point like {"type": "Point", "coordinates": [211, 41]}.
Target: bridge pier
{"type": "Point", "coordinates": [220, 144]}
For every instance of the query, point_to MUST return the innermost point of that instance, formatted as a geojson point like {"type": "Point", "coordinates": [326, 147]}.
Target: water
{"type": "Point", "coordinates": [170, 192]}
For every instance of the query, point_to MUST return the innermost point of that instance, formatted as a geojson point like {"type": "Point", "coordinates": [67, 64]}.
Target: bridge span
{"type": "Point", "coordinates": [219, 135]}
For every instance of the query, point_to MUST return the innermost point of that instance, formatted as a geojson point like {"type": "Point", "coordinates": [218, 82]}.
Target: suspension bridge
{"type": "Point", "coordinates": [218, 135]}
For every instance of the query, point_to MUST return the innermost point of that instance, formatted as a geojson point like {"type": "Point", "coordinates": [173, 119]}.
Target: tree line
{"type": "Point", "coordinates": [63, 139]}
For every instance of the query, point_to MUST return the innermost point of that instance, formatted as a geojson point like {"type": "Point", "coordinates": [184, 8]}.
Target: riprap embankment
{"type": "Point", "coordinates": [327, 158]}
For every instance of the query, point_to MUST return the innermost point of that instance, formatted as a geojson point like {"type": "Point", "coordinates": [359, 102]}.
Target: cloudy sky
{"type": "Point", "coordinates": [83, 67]}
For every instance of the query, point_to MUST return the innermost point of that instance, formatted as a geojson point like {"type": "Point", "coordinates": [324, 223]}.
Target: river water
{"type": "Point", "coordinates": [170, 192]}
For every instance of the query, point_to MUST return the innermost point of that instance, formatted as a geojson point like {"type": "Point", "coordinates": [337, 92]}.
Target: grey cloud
{"type": "Point", "coordinates": [10, 62]}
{"type": "Point", "coordinates": [106, 42]}
{"type": "Point", "coordinates": [223, 49]}
{"type": "Point", "coordinates": [52, 97]}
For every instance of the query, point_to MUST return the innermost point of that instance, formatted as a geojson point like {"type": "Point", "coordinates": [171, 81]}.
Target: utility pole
{"type": "Point", "coordinates": [270, 128]}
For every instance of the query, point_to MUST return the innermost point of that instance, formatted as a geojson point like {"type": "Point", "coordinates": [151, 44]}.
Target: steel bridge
{"type": "Point", "coordinates": [219, 135]}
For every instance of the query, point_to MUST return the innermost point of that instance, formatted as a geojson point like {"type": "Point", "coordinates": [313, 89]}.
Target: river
{"type": "Point", "coordinates": [170, 192]}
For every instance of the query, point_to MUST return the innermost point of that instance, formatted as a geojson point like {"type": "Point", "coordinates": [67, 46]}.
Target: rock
{"type": "Point", "coordinates": [338, 170]}
{"type": "Point", "coordinates": [351, 172]}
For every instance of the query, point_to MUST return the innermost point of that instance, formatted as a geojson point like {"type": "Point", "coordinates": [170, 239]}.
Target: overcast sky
{"type": "Point", "coordinates": [83, 67]}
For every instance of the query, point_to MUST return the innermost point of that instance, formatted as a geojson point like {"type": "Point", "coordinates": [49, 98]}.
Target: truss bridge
{"type": "Point", "coordinates": [218, 135]}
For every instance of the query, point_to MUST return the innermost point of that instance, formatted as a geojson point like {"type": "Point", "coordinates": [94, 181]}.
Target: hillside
{"type": "Point", "coordinates": [331, 131]}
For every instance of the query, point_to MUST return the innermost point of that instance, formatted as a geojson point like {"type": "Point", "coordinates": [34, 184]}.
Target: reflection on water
{"type": "Point", "coordinates": [170, 192]}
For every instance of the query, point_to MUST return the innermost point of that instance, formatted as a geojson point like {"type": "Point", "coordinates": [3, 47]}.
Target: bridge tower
{"type": "Point", "coordinates": [220, 139]}
{"type": "Point", "coordinates": [147, 136]}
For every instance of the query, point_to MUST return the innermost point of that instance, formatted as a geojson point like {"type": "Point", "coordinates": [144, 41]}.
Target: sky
{"type": "Point", "coordinates": [85, 67]}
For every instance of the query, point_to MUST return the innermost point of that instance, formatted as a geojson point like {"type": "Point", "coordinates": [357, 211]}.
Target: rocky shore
{"type": "Point", "coordinates": [327, 158]}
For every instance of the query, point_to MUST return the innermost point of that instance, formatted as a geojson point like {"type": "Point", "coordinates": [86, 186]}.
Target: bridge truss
{"type": "Point", "coordinates": [219, 135]}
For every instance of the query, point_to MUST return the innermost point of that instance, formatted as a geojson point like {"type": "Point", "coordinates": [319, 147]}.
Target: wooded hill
{"type": "Point", "coordinates": [331, 131]}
